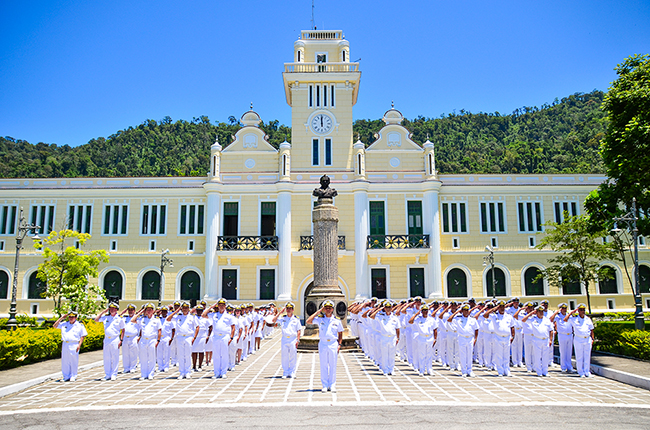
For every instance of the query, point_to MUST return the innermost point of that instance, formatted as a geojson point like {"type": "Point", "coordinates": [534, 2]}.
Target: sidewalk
{"type": "Point", "coordinates": [19, 378]}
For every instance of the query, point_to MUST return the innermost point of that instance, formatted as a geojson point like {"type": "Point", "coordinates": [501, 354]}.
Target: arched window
{"type": "Point", "coordinates": [499, 280]}
{"type": "Point", "coordinates": [4, 285]}
{"type": "Point", "coordinates": [533, 287]}
{"type": "Point", "coordinates": [190, 286]}
{"type": "Point", "coordinates": [151, 285]}
{"type": "Point", "coordinates": [571, 285]}
{"type": "Point", "coordinates": [608, 280]}
{"type": "Point", "coordinates": [456, 283]}
{"type": "Point", "coordinates": [644, 279]}
{"type": "Point", "coordinates": [113, 284]}
{"type": "Point", "coordinates": [36, 287]}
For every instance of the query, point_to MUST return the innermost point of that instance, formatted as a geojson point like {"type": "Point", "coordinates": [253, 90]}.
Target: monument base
{"type": "Point", "coordinates": [309, 342]}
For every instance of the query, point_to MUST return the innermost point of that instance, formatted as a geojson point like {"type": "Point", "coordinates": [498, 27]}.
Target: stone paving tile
{"type": "Point", "coordinates": [257, 381]}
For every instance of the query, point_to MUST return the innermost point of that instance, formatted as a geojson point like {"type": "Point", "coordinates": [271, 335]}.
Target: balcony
{"type": "Point", "coordinates": [404, 241]}
{"type": "Point", "coordinates": [321, 67]}
{"type": "Point", "coordinates": [307, 243]}
{"type": "Point", "coordinates": [321, 34]}
{"type": "Point", "coordinates": [247, 243]}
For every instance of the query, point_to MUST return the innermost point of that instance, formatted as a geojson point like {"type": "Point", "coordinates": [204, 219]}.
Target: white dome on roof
{"type": "Point", "coordinates": [393, 116]}
{"type": "Point", "coordinates": [250, 118]}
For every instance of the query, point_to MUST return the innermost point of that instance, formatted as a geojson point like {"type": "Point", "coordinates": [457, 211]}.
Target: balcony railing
{"type": "Point", "coordinates": [247, 243]}
{"type": "Point", "coordinates": [307, 243]}
{"type": "Point", "coordinates": [321, 34]}
{"type": "Point", "coordinates": [403, 241]}
{"type": "Point", "coordinates": [320, 67]}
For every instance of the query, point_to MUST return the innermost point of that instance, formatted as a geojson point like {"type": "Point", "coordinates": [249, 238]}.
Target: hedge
{"type": "Point", "coordinates": [29, 345]}
{"type": "Point", "coordinates": [622, 339]}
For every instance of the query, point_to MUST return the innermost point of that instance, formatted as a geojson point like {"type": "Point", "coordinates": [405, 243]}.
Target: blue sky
{"type": "Point", "coordinates": [71, 71]}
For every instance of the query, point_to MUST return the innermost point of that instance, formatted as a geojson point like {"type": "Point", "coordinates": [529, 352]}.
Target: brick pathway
{"type": "Point", "coordinates": [258, 380]}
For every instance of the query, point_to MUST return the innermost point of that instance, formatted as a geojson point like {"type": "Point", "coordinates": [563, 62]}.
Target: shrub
{"type": "Point", "coordinates": [28, 345]}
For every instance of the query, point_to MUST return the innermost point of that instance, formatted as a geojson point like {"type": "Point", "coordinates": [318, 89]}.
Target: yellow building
{"type": "Point", "coordinates": [244, 232]}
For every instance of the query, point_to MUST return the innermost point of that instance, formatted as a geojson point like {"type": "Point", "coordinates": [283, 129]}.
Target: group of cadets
{"type": "Point", "coordinates": [180, 336]}
{"type": "Point", "coordinates": [494, 335]}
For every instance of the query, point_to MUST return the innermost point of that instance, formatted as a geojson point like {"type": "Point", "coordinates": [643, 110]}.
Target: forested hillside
{"type": "Point", "coordinates": [562, 137]}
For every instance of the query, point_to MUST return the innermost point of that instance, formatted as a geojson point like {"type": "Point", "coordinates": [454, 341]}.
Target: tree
{"type": "Point", "coordinates": [580, 252]}
{"type": "Point", "coordinates": [626, 147]}
{"type": "Point", "coordinates": [66, 270]}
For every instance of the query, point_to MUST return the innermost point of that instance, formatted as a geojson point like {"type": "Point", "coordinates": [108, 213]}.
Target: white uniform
{"type": "Point", "coordinates": [387, 327]}
{"type": "Point", "coordinates": [199, 344]}
{"type": "Point", "coordinates": [149, 334]}
{"type": "Point", "coordinates": [185, 328]}
{"type": "Point", "coordinates": [502, 325]}
{"type": "Point", "coordinates": [173, 347]}
{"type": "Point", "coordinates": [328, 334]}
{"type": "Point", "coordinates": [71, 335]}
{"type": "Point", "coordinates": [423, 337]}
{"type": "Point", "coordinates": [565, 341]}
{"type": "Point", "coordinates": [113, 325]}
{"type": "Point", "coordinates": [452, 342]}
{"type": "Point", "coordinates": [527, 333]}
{"type": "Point", "coordinates": [163, 352]}
{"type": "Point", "coordinates": [540, 329]}
{"type": "Point", "coordinates": [582, 343]}
{"type": "Point", "coordinates": [466, 330]}
{"type": "Point", "coordinates": [222, 324]}
{"type": "Point", "coordinates": [130, 345]}
{"type": "Point", "coordinates": [290, 328]}
{"type": "Point", "coordinates": [517, 345]}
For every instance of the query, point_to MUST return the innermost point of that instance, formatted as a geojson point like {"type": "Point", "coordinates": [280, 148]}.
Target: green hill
{"type": "Point", "coordinates": [562, 137]}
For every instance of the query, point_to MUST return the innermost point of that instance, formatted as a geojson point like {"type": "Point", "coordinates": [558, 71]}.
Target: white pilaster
{"type": "Point", "coordinates": [361, 227]}
{"type": "Point", "coordinates": [431, 226]}
{"type": "Point", "coordinates": [284, 245]}
{"type": "Point", "coordinates": [213, 215]}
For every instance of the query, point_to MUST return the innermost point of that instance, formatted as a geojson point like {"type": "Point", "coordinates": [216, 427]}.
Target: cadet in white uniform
{"type": "Point", "coordinates": [517, 345]}
{"type": "Point", "coordinates": [503, 334]}
{"type": "Point", "coordinates": [202, 342]}
{"type": "Point", "coordinates": [130, 341]}
{"type": "Point", "coordinates": [564, 337]}
{"type": "Point", "coordinates": [527, 334]}
{"type": "Point", "coordinates": [223, 333]}
{"type": "Point", "coordinates": [330, 334]}
{"type": "Point", "coordinates": [388, 328]}
{"type": "Point", "coordinates": [424, 330]}
{"type": "Point", "coordinates": [187, 328]}
{"type": "Point", "coordinates": [113, 332]}
{"type": "Point", "coordinates": [467, 330]}
{"type": "Point", "coordinates": [173, 347]}
{"type": "Point", "coordinates": [542, 335]}
{"type": "Point", "coordinates": [583, 338]}
{"type": "Point", "coordinates": [291, 328]}
{"type": "Point", "coordinates": [72, 336]}
{"type": "Point", "coordinates": [149, 338]}
{"type": "Point", "coordinates": [166, 337]}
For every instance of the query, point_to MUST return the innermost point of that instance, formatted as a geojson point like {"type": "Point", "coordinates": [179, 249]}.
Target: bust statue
{"type": "Point", "coordinates": [325, 192]}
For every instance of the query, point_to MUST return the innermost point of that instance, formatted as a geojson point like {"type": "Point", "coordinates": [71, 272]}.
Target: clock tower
{"type": "Point", "coordinates": [321, 86]}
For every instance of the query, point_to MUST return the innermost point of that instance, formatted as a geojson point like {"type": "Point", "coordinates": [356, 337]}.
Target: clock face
{"type": "Point", "coordinates": [321, 123]}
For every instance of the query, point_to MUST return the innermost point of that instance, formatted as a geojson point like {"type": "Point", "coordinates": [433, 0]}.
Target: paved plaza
{"type": "Point", "coordinates": [258, 381]}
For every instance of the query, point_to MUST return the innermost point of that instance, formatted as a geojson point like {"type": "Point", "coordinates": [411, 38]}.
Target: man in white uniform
{"type": "Point", "coordinates": [564, 337]}
{"type": "Point", "coordinates": [149, 338]}
{"type": "Point", "coordinates": [113, 332]}
{"type": "Point", "coordinates": [467, 330]}
{"type": "Point", "coordinates": [583, 338]}
{"type": "Point", "coordinates": [388, 328]}
{"type": "Point", "coordinates": [72, 336]}
{"type": "Point", "coordinates": [202, 342]}
{"type": "Point", "coordinates": [130, 341]}
{"type": "Point", "coordinates": [424, 330]}
{"type": "Point", "coordinates": [330, 334]}
{"type": "Point", "coordinates": [166, 337]}
{"type": "Point", "coordinates": [503, 334]}
{"type": "Point", "coordinates": [527, 334]}
{"type": "Point", "coordinates": [223, 332]}
{"type": "Point", "coordinates": [187, 328]}
{"type": "Point", "coordinates": [291, 328]}
{"type": "Point", "coordinates": [542, 335]}
{"type": "Point", "coordinates": [173, 347]}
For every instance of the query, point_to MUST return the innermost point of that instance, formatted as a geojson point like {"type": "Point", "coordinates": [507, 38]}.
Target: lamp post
{"type": "Point", "coordinates": [489, 259]}
{"type": "Point", "coordinates": [630, 219]}
{"type": "Point", "coordinates": [23, 228]}
{"type": "Point", "coordinates": [164, 261]}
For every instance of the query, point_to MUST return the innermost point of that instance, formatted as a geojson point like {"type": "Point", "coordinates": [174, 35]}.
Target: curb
{"type": "Point", "coordinates": [616, 375]}
{"type": "Point", "coordinates": [10, 389]}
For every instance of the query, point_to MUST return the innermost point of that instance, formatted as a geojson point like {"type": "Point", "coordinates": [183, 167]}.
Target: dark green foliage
{"type": "Point", "coordinates": [622, 339]}
{"type": "Point", "coordinates": [559, 138]}
{"type": "Point", "coordinates": [563, 137]}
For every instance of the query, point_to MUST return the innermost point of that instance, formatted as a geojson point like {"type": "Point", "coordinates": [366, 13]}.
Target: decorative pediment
{"type": "Point", "coordinates": [394, 137]}
{"type": "Point", "coordinates": [250, 137]}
